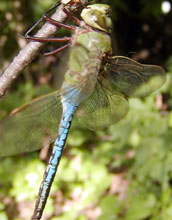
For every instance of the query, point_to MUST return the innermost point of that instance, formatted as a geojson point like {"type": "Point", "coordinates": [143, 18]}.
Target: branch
{"type": "Point", "coordinates": [28, 53]}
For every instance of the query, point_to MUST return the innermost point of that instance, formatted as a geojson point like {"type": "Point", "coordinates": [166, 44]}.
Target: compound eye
{"type": "Point", "coordinates": [97, 19]}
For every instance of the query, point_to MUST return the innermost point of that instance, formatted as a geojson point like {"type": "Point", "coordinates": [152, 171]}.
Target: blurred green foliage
{"type": "Point", "coordinates": [121, 173]}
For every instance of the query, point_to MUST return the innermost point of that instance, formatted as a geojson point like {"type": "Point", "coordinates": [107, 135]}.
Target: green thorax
{"type": "Point", "coordinates": [85, 58]}
{"type": "Point", "coordinates": [94, 40]}
{"type": "Point", "coordinates": [88, 50]}
{"type": "Point", "coordinates": [89, 47]}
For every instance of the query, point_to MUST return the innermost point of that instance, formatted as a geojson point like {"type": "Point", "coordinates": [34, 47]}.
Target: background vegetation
{"type": "Point", "coordinates": [122, 173]}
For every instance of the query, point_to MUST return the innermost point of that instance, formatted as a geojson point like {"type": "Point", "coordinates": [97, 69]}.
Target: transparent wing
{"type": "Point", "coordinates": [104, 107]}
{"type": "Point", "coordinates": [32, 125]}
{"type": "Point", "coordinates": [38, 122]}
{"type": "Point", "coordinates": [132, 78]}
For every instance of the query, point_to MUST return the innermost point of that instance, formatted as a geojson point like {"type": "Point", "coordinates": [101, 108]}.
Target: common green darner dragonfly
{"type": "Point", "coordinates": [95, 85]}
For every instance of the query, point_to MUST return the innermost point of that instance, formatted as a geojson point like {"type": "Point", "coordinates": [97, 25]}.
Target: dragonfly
{"type": "Point", "coordinates": [95, 87]}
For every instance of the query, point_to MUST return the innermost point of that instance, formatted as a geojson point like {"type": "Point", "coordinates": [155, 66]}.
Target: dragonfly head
{"type": "Point", "coordinates": [97, 16]}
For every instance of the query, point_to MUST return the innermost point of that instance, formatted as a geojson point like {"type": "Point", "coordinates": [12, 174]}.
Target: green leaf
{"type": "Point", "coordinates": [140, 207]}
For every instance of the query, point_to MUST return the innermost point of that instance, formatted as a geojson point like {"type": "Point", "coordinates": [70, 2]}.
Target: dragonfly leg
{"type": "Point", "coordinates": [38, 22]}
{"type": "Point", "coordinates": [71, 16]}
{"type": "Point", "coordinates": [64, 39]}
{"type": "Point", "coordinates": [52, 21]}
{"type": "Point", "coordinates": [53, 39]}
{"type": "Point", "coordinates": [58, 24]}
{"type": "Point", "coordinates": [48, 39]}
{"type": "Point", "coordinates": [57, 50]}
